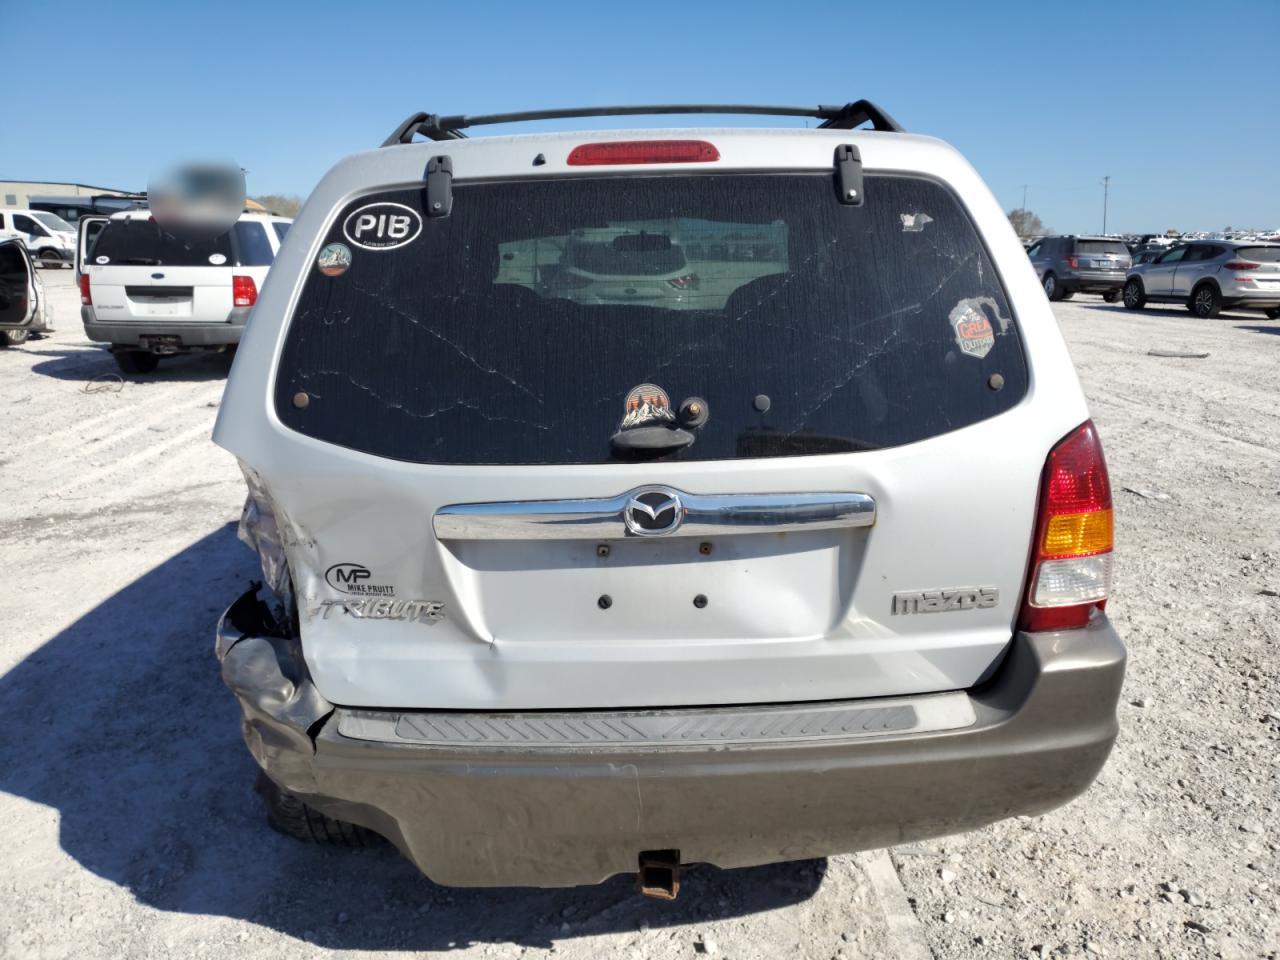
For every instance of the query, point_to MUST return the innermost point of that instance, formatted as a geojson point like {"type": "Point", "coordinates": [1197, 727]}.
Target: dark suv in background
{"type": "Point", "coordinates": [1069, 265]}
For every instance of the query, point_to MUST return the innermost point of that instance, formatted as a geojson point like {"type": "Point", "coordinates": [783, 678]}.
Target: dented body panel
{"type": "Point", "coordinates": [563, 799]}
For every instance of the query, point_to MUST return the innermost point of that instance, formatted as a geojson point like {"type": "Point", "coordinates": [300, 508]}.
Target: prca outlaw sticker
{"type": "Point", "coordinates": [973, 332]}
{"type": "Point", "coordinates": [382, 226]}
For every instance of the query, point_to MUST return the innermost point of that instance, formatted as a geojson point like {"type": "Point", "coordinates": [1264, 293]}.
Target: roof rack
{"type": "Point", "coordinates": [851, 115]}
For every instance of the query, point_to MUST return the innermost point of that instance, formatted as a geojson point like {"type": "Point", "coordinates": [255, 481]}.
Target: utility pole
{"type": "Point", "coordinates": [1106, 189]}
{"type": "Point", "coordinates": [1024, 196]}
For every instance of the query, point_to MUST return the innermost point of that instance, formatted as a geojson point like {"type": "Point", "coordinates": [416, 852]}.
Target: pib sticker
{"type": "Point", "coordinates": [973, 332]}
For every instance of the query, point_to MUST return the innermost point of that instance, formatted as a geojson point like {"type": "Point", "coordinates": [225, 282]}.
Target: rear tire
{"type": "Point", "coordinates": [290, 815]}
{"type": "Point", "coordinates": [1052, 288]}
{"type": "Point", "coordinates": [13, 338]}
{"type": "Point", "coordinates": [1206, 302]}
{"type": "Point", "coordinates": [1135, 298]}
{"type": "Point", "coordinates": [1273, 313]}
{"type": "Point", "coordinates": [136, 361]}
{"type": "Point", "coordinates": [1111, 296]}
{"type": "Point", "coordinates": [49, 257]}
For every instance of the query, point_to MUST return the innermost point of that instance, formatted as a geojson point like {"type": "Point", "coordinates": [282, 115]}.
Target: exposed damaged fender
{"type": "Point", "coordinates": [279, 713]}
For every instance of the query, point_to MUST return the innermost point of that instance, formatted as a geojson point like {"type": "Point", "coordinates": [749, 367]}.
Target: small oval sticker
{"type": "Point", "coordinates": [217, 259]}
{"type": "Point", "coordinates": [382, 226]}
{"type": "Point", "coordinates": [101, 260]}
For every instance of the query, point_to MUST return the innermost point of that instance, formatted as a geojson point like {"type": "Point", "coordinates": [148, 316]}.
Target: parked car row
{"type": "Point", "coordinates": [1207, 276]}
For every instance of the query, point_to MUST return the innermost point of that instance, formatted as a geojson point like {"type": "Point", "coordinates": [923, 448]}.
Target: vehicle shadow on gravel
{"type": "Point", "coordinates": [121, 726]}
{"type": "Point", "coordinates": [83, 365]}
{"type": "Point", "coordinates": [1258, 329]}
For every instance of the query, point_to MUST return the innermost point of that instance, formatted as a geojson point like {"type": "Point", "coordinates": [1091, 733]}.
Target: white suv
{"type": "Point", "coordinates": [566, 587]}
{"type": "Point", "coordinates": [151, 294]}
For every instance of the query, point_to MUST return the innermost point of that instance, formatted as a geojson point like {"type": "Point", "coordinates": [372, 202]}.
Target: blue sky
{"type": "Point", "coordinates": [1179, 105]}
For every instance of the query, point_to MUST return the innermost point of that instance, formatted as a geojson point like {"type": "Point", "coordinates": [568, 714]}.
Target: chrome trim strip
{"type": "Point", "coordinates": [704, 515]}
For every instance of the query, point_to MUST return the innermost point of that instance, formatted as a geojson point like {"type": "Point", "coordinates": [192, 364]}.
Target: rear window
{"type": "Point", "coordinates": [1102, 246]}
{"type": "Point", "coordinates": [253, 249]}
{"type": "Point", "coordinates": [281, 228]}
{"type": "Point", "coordinates": [1259, 254]}
{"type": "Point", "coordinates": [522, 328]}
{"type": "Point", "coordinates": [142, 243]}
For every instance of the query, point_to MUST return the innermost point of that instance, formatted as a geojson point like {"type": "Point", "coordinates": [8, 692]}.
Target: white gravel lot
{"type": "Point", "coordinates": [125, 792]}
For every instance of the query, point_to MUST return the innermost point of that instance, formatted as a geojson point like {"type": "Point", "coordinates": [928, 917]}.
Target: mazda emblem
{"type": "Point", "coordinates": [653, 512]}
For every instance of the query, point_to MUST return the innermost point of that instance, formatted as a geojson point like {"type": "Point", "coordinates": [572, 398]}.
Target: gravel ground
{"type": "Point", "coordinates": [126, 794]}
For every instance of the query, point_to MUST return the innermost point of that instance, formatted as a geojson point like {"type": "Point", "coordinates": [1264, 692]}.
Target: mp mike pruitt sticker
{"type": "Point", "coordinates": [972, 328]}
{"type": "Point", "coordinates": [382, 226]}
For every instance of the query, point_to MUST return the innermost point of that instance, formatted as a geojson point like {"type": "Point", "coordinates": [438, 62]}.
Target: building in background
{"type": "Point", "coordinates": [70, 201]}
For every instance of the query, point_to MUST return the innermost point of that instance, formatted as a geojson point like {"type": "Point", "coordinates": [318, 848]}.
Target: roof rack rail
{"type": "Point", "coordinates": [435, 127]}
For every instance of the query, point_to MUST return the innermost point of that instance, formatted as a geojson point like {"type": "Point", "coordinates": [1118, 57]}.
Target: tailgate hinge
{"type": "Point", "coordinates": [439, 187]}
{"type": "Point", "coordinates": [849, 174]}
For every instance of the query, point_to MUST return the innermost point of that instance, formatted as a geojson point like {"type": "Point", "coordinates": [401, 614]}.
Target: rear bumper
{"type": "Point", "coordinates": [1092, 282]}
{"type": "Point", "coordinates": [1234, 296]}
{"type": "Point", "coordinates": [194, 333]}
{"type": "Point", "coordinates": [494, 802]}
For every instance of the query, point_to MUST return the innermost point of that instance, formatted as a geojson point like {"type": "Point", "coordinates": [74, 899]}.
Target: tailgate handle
{"type": "Point", "coordinates": [700, 515]}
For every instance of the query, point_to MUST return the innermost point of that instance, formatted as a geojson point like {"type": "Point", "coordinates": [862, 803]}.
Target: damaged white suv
{"type": "Point", "coordinates": [769, 525]}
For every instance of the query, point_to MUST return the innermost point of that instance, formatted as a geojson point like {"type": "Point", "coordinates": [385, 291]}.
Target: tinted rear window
{"type": "Point", "coordinates": [482, 340]}
{"type": "Point", "coordinates": [1102, 246]}
{"type": "Point", "coordinates": [143, 243]}
{"type": "Point", "coordinates": [1259, 254]}
{"type": "Point", "coordinates": [253, 249]}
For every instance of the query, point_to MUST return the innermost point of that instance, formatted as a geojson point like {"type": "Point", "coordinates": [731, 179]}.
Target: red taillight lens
{"type": "Point", "coordinates": [85, 295]}
{"type": "Point", "coordinates": [244, 292]}
{"type": "Point", "coordinates": [689, 281]}
{"type": "Point", "coordinates": [1240, 265]}
{"type": "Point", "coordinates": [643, 151]}
{"type": "Point", "coordinates": [1073, 263]}
{"type": "Point", "coordinates": [1071, 560]}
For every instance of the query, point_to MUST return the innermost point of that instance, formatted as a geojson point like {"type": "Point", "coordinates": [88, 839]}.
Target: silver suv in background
{"type": "Point", "coordinates": [1210, 276]}
{"type": "Point", "coordinates": [1071, 265]}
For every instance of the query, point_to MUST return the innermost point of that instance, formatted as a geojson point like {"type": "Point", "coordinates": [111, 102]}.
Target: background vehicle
{"type": "Point", "coordinates": [1208, 277]}
{"type": "Point", "coordinates": [49, 238]}
{"type": "Point", "coordinates": [1069, 265]}
{"type": "Point", "coordinates": [613, 266]}
{"type": "Point", "coordinates": [542, 622]}
{"type": "Point", "coordinates": [71, 209]}
{"type": "Point", "coordinates": [150, 294]}
{"type": "Point", "coordinates": [1147, 253]}
{"type": "Point", "coordinates": [21, 294]}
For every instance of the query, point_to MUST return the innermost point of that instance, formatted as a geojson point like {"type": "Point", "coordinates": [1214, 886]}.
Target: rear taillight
{"type": "Point", "coordinates": [1071, 560]}
{"type": "Point", "coordinates": [1073, 263]}
{"type": "Point", "coordinates": [85, 295]}
{"type": "Point", "coordinates": [1241, 265]}
{"type": "Point", "coordinates": [244, 292]}
{"type": "Point", "coordinates": [689, 281]}
{"type": "Point", "coordinates": [643, 151]}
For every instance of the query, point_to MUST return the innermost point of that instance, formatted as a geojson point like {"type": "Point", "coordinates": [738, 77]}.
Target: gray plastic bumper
{"type": "Point", "coordinates": [479, 800]}
{"type": "Point", "coordinates": [193, 333]}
